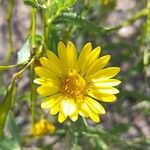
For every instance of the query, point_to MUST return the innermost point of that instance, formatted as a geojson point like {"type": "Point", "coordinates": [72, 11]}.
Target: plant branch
{"type": "Point", "coordinates": [9, 31]}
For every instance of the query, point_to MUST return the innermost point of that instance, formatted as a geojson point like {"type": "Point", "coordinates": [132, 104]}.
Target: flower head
{"type": "Point", "coordinates": [75, 85]}
{"type": "Point", "coordinates": [43, 127]}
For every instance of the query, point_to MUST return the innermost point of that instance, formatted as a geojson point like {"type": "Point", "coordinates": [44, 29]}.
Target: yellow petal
{"type": "Point", "coordinates": [105, 73]}
{"type": "Point", "coordinates": [108, 98]}
{"type": "Point", "coordinates": [94, 116]}
{"type": "Point", "coordinates": [49, 65]}
{"type": "Point", "coordinates": [68, 107]}
{"type": "Point", "coordinates": [83, 55]}
{"type": "Point", "coordinates": [44, 73]}
{"type": "Point", "coordinates": [62, 53]}
{"type": "Point", "coordinates": [56, 101]}
{"type": "Point", "coordinates": [40, 81]}
{"type": "Point", "coordinates": [53, 58]}
{"type": "Point", "coordinates": [83, 109]}
{"type": "Point", "coordinates": [106, 83]}
{"type": "Point", "coordinates": [90, 59]}
{"type": "Point", "coordinates": [55, 105]}
{"type": "Point", "coordinates": [98, 64]}
{"type": "Point", "coordinates": [82, 113]}
{"type": "Point", "coordinates": [74, 117]}
{"type": "Point", "coordinates": [55, 109]}
{"type": "Point", "coordinates": [94, 105]}
{"type": "Point", "coordinates": [104, 90]}
{"type": "Point", "coordinates": [61, 117]}
{"type": "Point", "coordinates": [45, 81]}
{"type": "Point", "coordinates": [102, 97]}
{"type": "Point", "coordinates": [47, 90]}
{"type": "Point", "coordinates": [48, 102]}
{"type": "Point", "coordinates": [71, 56]}
{"type": "Point", "coordinates": [109, 90]}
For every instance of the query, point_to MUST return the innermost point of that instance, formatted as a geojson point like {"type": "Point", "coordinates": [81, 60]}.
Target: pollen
{"type": "Point", "coordinates": [73, 86]}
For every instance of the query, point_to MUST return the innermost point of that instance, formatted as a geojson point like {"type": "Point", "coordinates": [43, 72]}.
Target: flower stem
{"type": "Point", "coordinates": [74, 137]}
{"type": "Point", "coordinates": [11, 66]}
{"type": "Point", "coordinates": [34, 12]}
{"type": "Point", "coordinates": [44, 35]}
{"type": "Point", "coordinates": [32, 74]}
{"type": "Point", "coordinates": [18, 74]}
{"type": "Point", "coordinates": [9, 31]}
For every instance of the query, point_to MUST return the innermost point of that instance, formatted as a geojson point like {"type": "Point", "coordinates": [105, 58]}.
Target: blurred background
{"type": "Point", "coordinates": [122, 29]}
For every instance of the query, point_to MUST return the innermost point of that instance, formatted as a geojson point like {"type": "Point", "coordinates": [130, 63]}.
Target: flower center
{"type": "Point", "coordinates": [73, 86]}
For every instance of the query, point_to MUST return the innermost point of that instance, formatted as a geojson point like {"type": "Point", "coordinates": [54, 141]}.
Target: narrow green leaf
{"type": "Point", "coordinates": [31, 3]}
{"type": "Point", "coordinates": [2, 91]}
{"type": "Point", "coordinates": [146, 58]}
{"type": "Point", "coordinates": [9, 144]}
{"type": "Point", "coordinates": [54, 8]}
{"type": "Point", "coordinates": [53, 39]}
{"type": "Point", "coordinates": [24, 52]}
{"type": "Point", "coordinates": [139, 96]}
{"type": "Point", "coordinates": [119, 128]}
{"type": "Point", "coordinates": [85, 24]}
{"type": "Point", "coordinates": [60, 5]}
{"type": "Point", "coordinates": [11, 124]}
{"type": "Point", "coordinates": [5, 106]}
{"type": "Point", "coordinates": [70, 3]}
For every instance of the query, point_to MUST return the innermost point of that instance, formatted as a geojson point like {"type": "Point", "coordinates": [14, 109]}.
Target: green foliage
{"type": "Point", "coordinates": [11, 66]}
{"type": "Point", "coordinates": [9, 144]}
{"type": "Point", "coordinates": [84, 24]}
{"type": "Point", "coordinates": [32, 3]}
{"type": "Point", "coordinates": [5, 107]}
{"type": "Point", "coordinates": [13, 129]}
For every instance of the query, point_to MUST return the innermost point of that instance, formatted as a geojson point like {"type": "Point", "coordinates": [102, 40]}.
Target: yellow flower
{"type": "Point", "coordinates": [74, 85]}
{"type": "Point", "coordinates": [43, 127]}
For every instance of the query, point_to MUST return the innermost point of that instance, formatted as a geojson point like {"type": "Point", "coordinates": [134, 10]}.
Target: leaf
{"type": "Point", "coordinates": [53, 8]}
{"type": "Point", "coordinates": [2, 91]}
{"type": "Point", "coordinates": [53, 39]}
{"type": "Point", "coordinates": [85, 24]}
{"type": "Point", "coordinates": [146, 58]}
{"type": "Point", "coordinates": [119, 128]}
{"type": "Point", "coordinates": [24, 52]}
{"type": "Point", "coordinates": [31, 3]}
{"type": "Point", "coordinates": [9, 144]}
{"type": "Point", "coordinates": [13, 129]}
{"type": "Point", "coordinates": [61, 5]}
{"type": "Point", "coordinates": [5, 106]}
{"type": "Point", "coordinates": [70, 3]}
{"type": "Point", "coordinates": [139, 96]}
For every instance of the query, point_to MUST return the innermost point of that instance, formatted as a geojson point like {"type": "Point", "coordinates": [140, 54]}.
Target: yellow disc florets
{"type": "Point", "coordinates": [73, 86]}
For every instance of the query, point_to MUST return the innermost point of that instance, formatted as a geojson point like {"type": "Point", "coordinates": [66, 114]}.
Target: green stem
{"type": "Point", "coordinates": [32, 74]}
{"type": "Point", "coordinates": [34, 12]}
{"type": "Point", "coordinates": [146, 46]}
{"type": "Point", "coordinates": [131, 20]}
{"type": "Point", "coordinates": [32, 94]}
{"type": "Point", "coordinates": [18, 74]}
{"type": "Point", "coordinates": [44, 35]}
{"type": "Point", "coordinates": [9, 31]}
{"type": "Point", "coordinates": [74, 137]}
{"type": "Point", "coordinates": [148, 18]}
{"type": "Point", "coordinates": [11, 66]}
